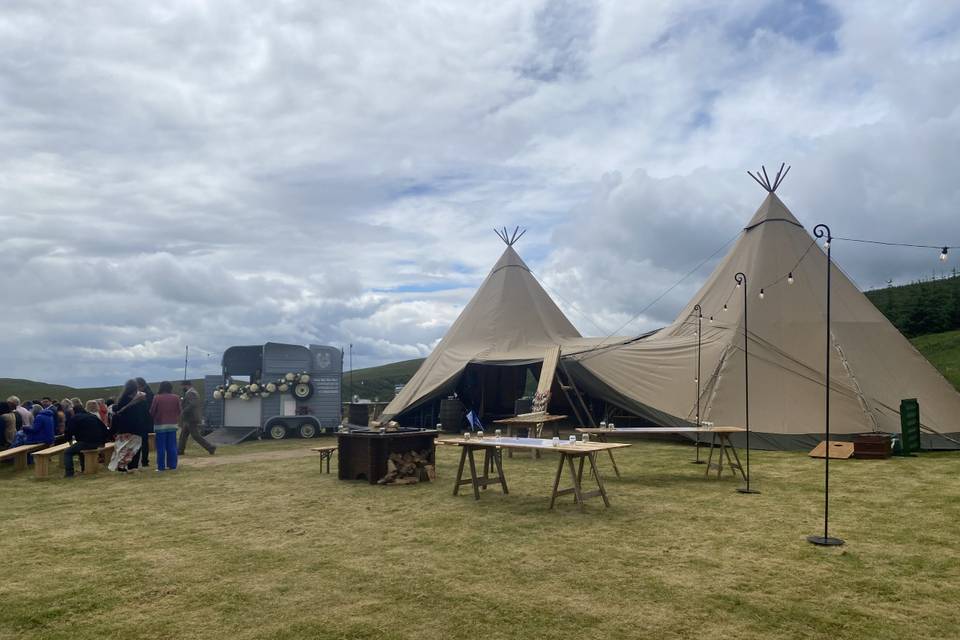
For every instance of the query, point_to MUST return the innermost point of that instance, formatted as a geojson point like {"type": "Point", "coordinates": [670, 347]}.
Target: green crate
{"type": "Point", "coordinates": [910, 425]}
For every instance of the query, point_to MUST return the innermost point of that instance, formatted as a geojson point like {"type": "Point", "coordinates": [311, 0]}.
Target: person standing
{"type": "Point", "coordinates": [165, 411]}
{"type": "Point", "coordinates": [190, 420]}
{"type": "Point", "coordinates": [126, 427]}
{"type": "Point", "coordinates": [88, 432]}
{"type": "Point", "coordinates": [146, 425]}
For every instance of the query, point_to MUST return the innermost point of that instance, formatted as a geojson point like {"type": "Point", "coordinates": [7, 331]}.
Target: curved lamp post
{"type": "Point", "coordinates": [820, 231]}
{"type": "Point", "coordinates": [699, 311]}
{"type": "Point", "coordinates": [741, 279]}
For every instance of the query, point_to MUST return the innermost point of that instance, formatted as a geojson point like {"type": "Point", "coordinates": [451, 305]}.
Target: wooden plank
{"type": "Point", "coordinates": [13, 452]}
{"type": "Point", "coordinates": [543, 444]}
{"type": "Point", "coordinates": [549, 369]}
{"type": "Point", "coordinates": [629, 430]}
{"type": "Point", "coordinates": [838, 450]}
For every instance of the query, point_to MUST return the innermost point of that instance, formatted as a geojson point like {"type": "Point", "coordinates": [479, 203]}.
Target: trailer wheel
{"type": "Point", "coordinates": [277, 431]}
{"type": "Point", "coordinates": [302, 391]}
{"type": "Point", "coordinates": [308, 430]}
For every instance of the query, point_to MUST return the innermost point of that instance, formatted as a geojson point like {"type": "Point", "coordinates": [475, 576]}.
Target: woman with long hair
{"type": "Point", "coordinates": [145, 423]}
{"type": "Point", "coordinates": [126, 427]}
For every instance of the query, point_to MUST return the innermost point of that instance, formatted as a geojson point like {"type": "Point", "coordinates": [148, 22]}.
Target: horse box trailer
{"type": "Point", "coordinates": [274, 390]}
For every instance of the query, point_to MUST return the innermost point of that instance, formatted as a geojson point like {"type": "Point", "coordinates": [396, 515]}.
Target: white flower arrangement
{"type": "Point", "coordinates": [257, 389]}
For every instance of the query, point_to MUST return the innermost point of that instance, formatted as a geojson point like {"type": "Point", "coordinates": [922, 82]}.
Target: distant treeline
{"type": "Point", "coordinates": [923, 307]}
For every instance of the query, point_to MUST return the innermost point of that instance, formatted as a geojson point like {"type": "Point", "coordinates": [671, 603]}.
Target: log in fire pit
{"type": "Point", "coordinates": [395, 457]}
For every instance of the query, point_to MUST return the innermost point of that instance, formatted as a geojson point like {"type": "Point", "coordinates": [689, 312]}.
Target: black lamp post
{"type": "Point", "coordinates": [741, 279]}
{"type": "Point", "coordinates": [699, 311]}
{"type": "Point", "coordinates": [825, 540]}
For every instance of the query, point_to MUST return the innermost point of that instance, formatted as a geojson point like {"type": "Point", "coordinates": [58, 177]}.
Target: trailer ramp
{"type": "Point", "coordinates": [230, 435]}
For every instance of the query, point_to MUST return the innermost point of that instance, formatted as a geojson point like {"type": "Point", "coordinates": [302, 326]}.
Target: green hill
{"type": "Point", "coordinates": [379, 382]}
{"type": "Point", "coordinates": [921, 308]}
{"type": "Point", "coordinates": [943, 351]}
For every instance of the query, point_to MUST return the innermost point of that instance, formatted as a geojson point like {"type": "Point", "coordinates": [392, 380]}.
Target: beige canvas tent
{"type": "Point", "coordinates": [873, 366]}
{"type": "Point", "coordinates": [509, 322]}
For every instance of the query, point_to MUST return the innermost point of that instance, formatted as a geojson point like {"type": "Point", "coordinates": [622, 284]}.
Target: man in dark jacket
{"type": "Point", "coordinates": [88, 432]}
{"type": "Point", "coordinates": [190, 416]}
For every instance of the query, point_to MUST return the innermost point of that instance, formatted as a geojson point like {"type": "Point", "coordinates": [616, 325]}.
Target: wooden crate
{"type": "Point", "coordinates": [872, 446]}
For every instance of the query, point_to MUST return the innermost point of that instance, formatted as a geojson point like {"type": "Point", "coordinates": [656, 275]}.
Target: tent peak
{"type": "Point", "coordinates": [764, 180]}
{"type": "Point", "coordinates": [510, 238]}
{"type": "Point", "coordinates": [772, 209]}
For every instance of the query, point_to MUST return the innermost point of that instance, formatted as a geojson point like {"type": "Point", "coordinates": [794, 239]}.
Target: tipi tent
{"type": "Point", "coordinates": [873, 366]}
{"type": "Point", "coordinates": [510, 320]}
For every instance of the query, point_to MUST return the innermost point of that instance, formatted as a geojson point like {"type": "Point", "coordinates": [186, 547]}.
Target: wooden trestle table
{"type": "Point", "coordinates": [719, 434]}
{"type": "Point", "coordinates": [533, 424]}
{"type": "Point", "coordinates": [492, 447]}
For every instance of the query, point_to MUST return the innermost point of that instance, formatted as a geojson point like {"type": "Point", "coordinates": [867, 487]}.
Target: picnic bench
{"type": "Point", "coordinates": [719, 433]}
{"type": "Point", "coordinates": [41, 459]}
{"type": "Point", "coordinates": [573, 456]}
{"type": "Point", "coordinates": [91, 458]}
{"type": "Point", "coordinates": [325, 454]}
{"type": "Point", "coordinates": [19, 454]}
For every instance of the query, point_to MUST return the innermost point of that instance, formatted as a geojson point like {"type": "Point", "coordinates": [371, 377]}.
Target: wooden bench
{"type": "Point", "coordinates": [91, 458]}
{"type": "Point", "coordinates": [19, 454]}
{"type": "Point", "coordinates": [41, 460]}
{"type": "Point", "coordinates": [325, 454]}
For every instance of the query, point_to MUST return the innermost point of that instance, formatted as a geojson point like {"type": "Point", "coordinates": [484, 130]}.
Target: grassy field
{"type": "Point", "coordinates": [256, 546]}
{"type": "Point", "coordinates": [943, 351]}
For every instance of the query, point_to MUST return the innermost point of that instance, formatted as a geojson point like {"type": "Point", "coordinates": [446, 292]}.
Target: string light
{"type": "Point", "coordinates": [724, 306]}
{"type": "Point", "coordinates": [790, 278]}
{"type": "Point", "coordinates": [761, 294]}
{"type": "Point", "coordinates": [738, 285]}
{"type": "Point", "coordinates": [943, 254]}
{"type": "Point", "coordinates": [711, 319]}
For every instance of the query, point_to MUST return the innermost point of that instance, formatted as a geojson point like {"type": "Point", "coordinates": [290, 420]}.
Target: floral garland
{"type": "Point", "coordinates": [257, 389]}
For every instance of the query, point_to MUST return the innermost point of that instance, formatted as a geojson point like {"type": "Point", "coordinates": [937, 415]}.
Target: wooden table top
{"type": "Point", "coordinates": [660, 430]}
{"type": "Point", "coordinates": [530, 418]}
{"type": "Point", "coordinates": [534, 443]}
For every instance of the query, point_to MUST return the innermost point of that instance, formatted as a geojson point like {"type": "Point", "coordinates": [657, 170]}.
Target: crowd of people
{"type": "Point", "coordinates": [127, 422]}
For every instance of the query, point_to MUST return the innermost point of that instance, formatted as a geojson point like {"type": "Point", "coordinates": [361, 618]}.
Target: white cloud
{"type": "Point", "coordinates": [236, 172]}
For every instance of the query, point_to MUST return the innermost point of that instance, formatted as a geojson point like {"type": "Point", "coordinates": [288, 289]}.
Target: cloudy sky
{"type": "Point", "coordinates": [219, 173]}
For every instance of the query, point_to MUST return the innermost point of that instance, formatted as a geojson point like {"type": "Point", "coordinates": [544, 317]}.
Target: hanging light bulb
{"type": "Point", "coordinates": [694, 334]}
{"type": "Point", "coordinates": [724, 306]}
{"type": "Point", "coordinates": [761, 294]}
{"type": "Point", "coordinates": [738, 284]}
{"type": "Point", "coordinates": [790, 278]}
{"type": "Point", "coordinates": [943, 254]}
{"type": "Point", "coordinates": [826, 244]}
{"type": "Point", "coordinates": [711, 319]}
{"type": "Point", "coordinates": [696, 379]}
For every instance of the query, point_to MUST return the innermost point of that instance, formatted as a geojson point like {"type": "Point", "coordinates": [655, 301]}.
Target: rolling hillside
{"type": "Point", "coordinates": [943, 350]}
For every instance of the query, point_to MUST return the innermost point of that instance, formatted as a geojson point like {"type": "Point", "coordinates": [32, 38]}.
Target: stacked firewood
{"type": "Point", "coordinates": [409, 468]}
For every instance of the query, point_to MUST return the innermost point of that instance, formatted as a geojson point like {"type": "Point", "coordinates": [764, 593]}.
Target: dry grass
{"type": "Point", "coordinates": [267, 548]}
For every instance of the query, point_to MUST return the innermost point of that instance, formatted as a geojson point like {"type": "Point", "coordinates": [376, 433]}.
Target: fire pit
{"type": "Point", "coordinates": [402, 456]}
